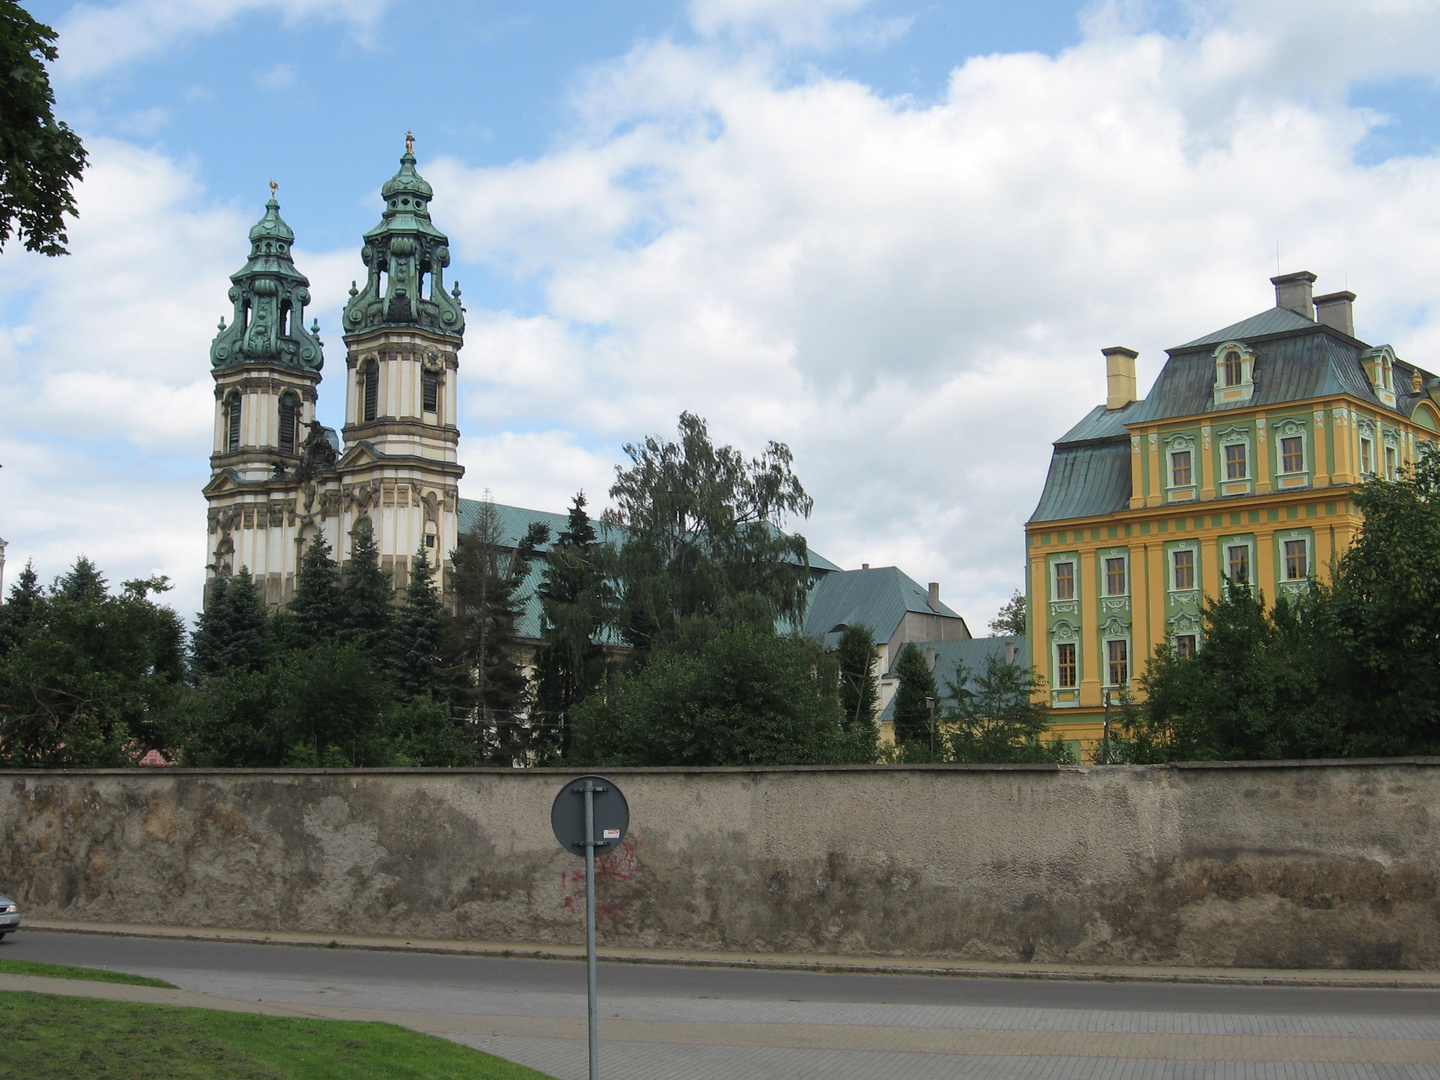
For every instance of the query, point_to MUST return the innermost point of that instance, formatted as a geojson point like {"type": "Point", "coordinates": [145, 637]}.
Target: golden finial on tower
{"type": "Point", "coordinates": [409, 142]}
{"type": "Point", "coordinates": [274, 187]}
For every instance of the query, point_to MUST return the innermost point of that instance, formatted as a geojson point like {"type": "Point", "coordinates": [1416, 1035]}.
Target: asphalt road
{"type": "Point", "coordinates": [722, 1022]}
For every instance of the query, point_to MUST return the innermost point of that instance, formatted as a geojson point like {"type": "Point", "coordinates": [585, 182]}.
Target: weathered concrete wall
{"type": "Point", "coordinates": [1274, 865]}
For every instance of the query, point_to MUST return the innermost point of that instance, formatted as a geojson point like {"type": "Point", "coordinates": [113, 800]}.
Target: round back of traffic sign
{"type": "Point", "coordinates": [612, 815]}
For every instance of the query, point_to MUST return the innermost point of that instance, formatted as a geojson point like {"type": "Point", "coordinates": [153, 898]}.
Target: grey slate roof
{"type": "Point", "coordinates": [972, 653]}
{"type": "Point", "coordinates": [1296, 359]}
{"type": "Point", "coordinates": [878, 598]}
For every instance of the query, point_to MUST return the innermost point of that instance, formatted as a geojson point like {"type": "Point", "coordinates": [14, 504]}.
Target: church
{"type": "Point", "coordinates": [278, 477]}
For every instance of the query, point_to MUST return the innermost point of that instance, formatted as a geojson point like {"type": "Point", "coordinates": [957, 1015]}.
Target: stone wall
{"type": "Point", "coordinates": [1260, 865]}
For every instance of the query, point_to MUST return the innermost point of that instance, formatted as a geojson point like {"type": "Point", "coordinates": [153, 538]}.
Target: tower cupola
{"type": "Point", "coordinates": [269, 294]}
{"type": "Point", "coordinates": [406, 256]}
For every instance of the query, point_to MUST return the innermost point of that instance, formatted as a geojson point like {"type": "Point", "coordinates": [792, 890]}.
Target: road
{"type": "Point", "coordinates": [704, 1023]}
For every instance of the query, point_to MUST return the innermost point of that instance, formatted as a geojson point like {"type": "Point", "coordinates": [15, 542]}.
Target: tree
{"type": "Point", "coordinates": [233, 631]}
{"type": "Point", "coordinates": [1253, 691]}
{"type": "Point", "coordinates": [15, 616]}
{"type": "Point", "coordinates": [704, 530]}
{"type": "Point", "coordinates": [995, 720]}
{"type": "Point", "coordinates": [859, 692]}
{"type": "Point", "coordinates": [489, 574]}
{"type": "Point", "coordinates": [418, 636]}
{"type": "Point", "coordinates": [319, 612]}
{"type": "Point", "coordinates": [1011, 617]}
{"type": "Point", "coordinates": [574, 604]}
{"type": "Point", "coordinates": [330, 705]}
{"type": "Point", "coordinates": [91, 678]}
{"type": "Point", "coordinates": [366, 594]}
{"type": "Point", "coordinates": [917, 683]}
{"type": "Point", "coordinates": [40, 157]}
{"type": "Point", "coordinates": [1382, 617]}
{"type": "Point", "coordinates": [745, 696]}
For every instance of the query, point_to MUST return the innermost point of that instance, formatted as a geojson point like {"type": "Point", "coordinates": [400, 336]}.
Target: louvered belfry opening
{"type": "Point", "coordinates": [372, 390]}
{"type": "Point", "coordinates": [430, 389]}
{"type": "Point", "coordinates": [289, 415]}
{"type": "Point", "coordinates": [232, 421]}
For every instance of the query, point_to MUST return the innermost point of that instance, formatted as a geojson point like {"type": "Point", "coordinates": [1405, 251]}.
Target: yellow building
{"type": "Point", "coordinates": [1240, 464]}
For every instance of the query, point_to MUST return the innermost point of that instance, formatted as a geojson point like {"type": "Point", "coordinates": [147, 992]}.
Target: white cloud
{"type": "Point", "coordinates": [914, 297]}
{"type": "Point", "coordinates": [276, 77]}
{"type": "Point", "coordinates": [98, 40]}
{"type": "Point", "coordinates": [812, 23]}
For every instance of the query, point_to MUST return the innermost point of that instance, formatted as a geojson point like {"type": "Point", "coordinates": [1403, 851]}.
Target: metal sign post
{"type": "Point", "coordinates": [595, 821]}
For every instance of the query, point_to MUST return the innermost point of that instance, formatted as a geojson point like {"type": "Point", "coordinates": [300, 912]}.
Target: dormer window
{"type": "Point", "coordinates": [1234, 373]}
{"type": "Point", "coordinates": [1379, 365]}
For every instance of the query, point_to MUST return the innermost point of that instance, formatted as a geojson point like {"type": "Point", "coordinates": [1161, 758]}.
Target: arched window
{"type": "Point", "coordinates": [370, 386]}
{"type": "Point", "coordinates": [289, 422]}
{"type": "Point", "coordinates": [430, 390]}
{"type": "Point", "coordinates": [232, 422]}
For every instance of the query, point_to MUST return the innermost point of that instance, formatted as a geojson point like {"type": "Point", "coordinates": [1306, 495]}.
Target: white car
{"type": "Point", "coordinates": [9, 916]}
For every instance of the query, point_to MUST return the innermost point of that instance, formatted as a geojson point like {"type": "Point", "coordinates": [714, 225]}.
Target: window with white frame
{"type": "Point", "coordinates": [1237, 563]}
{"type": "Point", "coordinates": [1182, 569]}
{"type": "Point", "coordinates": [1296, 555]}
{"type": "Point", "coordinates": [1182, 469]}
{"type": "Point", "coordinates": [1117, 657]}
{"type": "Point", "coordinates": [1064, 580]}
{"type": "Point", "coordinates": [1184, 646]}
{"type": "Point", "coordinates": [1367, 456]}
{"type": "Point", "coordinates": [1116, 577]}
{"type": "Point", "coordinates": [1067, 669]}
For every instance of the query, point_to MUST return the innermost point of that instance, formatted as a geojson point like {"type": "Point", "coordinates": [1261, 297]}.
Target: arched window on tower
{"type": "Point", "coordinates": [232, 423]}
{"type": "Point", "coordinates": [430, 391]}
{"type": "Point", "coordinates": [370, 390]}
{"type": "Point", "coordinates": [289, 421]}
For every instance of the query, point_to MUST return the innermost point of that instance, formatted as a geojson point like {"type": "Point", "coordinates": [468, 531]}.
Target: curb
{"type": "Point", "coordinates": [849, 965]}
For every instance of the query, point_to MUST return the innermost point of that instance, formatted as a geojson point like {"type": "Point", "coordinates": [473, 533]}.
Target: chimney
{"type": "Point", "coordinates": [931, 655]}
{"type": "Point", "coordinates": [1417, 386]}
{"type": "Point", "coordinates": [934, 598]}
{"type": "Point", "coordinates": [1119, 376]}
{"type": "Point", "coordinates": [1293, 291]}
{"type": "Point", "coordinates": [1009, 654]}
{"type": "Point", "coordinates": [1336, 310]}
{"type": "Point", "coordinates": [864, 566]}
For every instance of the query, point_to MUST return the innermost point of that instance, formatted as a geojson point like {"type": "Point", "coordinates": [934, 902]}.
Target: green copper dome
{"type": "Point", "coordinates": [406, 257]}
{"type": "Point", "coordinates": [269, 294]}
{"type": "Point", "coordinates": [272, 226]}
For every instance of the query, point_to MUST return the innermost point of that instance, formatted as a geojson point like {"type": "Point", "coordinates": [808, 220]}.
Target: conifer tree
{"type": "Point", "coordinates": [488, 576]}
{"type": "Point", "coordinates": [366, 594]}
{"type": "Point", "coordinates": [570, 661]}
{"type": "Point", "coordinates": [917, 682]}
{"type": "Point", "coordinates": [858, 691]}
{"type": "Point", "coordinates": [233, 631]}
{"type": "Point", "coordinates": [418, 635]}
{"type": "Point", "coordinates": [19, 612]}
{"type": "Point", "coordinates": [316, 605]}
{"type": "Point", "coordinates": [83, 583]}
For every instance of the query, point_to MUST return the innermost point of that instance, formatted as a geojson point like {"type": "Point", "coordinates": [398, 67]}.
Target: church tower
{"type": "Point", "coordinates": [403, 334]}
{"type": "Point", "coordinates": [266, 367]}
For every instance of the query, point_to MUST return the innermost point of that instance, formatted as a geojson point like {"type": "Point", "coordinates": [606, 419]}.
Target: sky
{"type": "Point", "coordinates": [894, 235]}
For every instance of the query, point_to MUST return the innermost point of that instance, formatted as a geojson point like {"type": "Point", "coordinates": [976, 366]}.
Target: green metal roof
{"type": "Point", "coordinates": [1275, 321]}
{"type": "Point", "coordinates": [515, 522]}
{"type": "Point", "coordinates": [971, 652]}
{"type": "Point", "coordinates": [877, 598]}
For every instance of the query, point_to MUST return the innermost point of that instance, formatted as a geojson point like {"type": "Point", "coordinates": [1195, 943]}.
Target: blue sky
{"type": "Point", "coordinates": [892, 234]}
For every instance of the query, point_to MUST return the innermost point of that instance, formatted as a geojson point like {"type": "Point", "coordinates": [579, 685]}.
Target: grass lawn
{"type": "Point", "coordinates": [64, 1038]}
{"type": "Point", "coordinates": [60, 971]}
